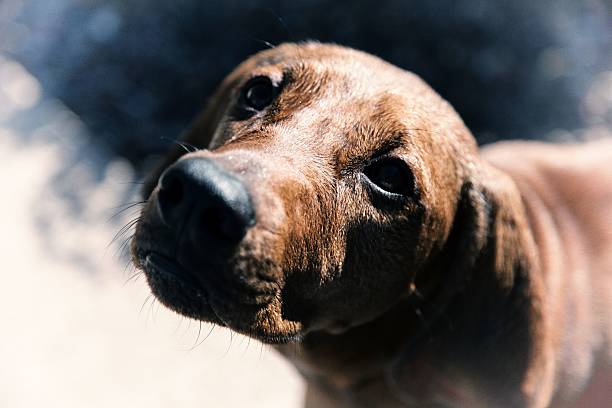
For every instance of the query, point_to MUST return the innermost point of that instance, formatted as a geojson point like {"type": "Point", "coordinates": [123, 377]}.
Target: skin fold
{"type": "Point", "coordinates": [486, 283]}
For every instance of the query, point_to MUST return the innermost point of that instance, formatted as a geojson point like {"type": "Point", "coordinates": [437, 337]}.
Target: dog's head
{"type": "Point", "coordinates": [331, 183]}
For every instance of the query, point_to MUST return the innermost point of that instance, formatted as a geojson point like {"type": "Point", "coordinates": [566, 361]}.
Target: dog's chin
{"type": "Point", "coordinates": [262, 322]}
{"type": "Point", "coordinates": [258, 317]}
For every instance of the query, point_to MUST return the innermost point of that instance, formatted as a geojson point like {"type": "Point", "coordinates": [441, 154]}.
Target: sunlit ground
{"type": "Point", "coordinates": [75, 332]}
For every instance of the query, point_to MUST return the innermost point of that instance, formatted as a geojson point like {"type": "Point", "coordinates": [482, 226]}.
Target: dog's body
{"type": "Point", "coordinates": [567, 195]}
{"type": "Point", "coordinates": [351, 220]}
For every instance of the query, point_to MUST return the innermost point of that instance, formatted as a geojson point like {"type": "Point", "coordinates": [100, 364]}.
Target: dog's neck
{"type": "Point", "coordinates": [478, 318]}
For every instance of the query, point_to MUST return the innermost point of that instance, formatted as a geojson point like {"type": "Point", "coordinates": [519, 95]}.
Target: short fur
{"type": "Point", "coordinates": [491, 287]}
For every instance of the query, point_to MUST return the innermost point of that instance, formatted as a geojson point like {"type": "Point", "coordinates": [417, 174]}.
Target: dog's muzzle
{"type": "Point", "coordinates": [206, 212]}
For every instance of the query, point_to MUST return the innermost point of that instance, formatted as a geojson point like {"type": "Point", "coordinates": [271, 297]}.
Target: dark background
{"type": "Point", "coordinates": [136, 72]}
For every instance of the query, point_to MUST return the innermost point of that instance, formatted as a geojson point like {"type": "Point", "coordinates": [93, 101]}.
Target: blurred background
{"type": "Point", "coordinates": [93, 92]}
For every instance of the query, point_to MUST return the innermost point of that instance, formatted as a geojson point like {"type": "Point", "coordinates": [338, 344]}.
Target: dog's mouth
{"type": "Point", "coordinates": [176, 288]}
{"type": "Point", "coordinates": [170, 268]}
{"type": "Point", "coordinates": [208, 296]}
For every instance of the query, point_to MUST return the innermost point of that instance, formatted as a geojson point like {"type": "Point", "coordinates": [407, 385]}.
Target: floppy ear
{"type": "Point", "coordinates": [506, 284]}
{"type": "Point", "coordinates": [470, 231]}
{"type": "Point", "coordinates": [452, 269]}
{"type": "Point", "coordinates": [480, 276]}
{"type": "Point", "coordinates": [198, 135]}
{"type": "Point", "coordinates": [486, 294]}
{"type": "Point", "coordinates": [508, 251]}
{"type": "Point", "coordinates": [489, 251]}
{"type": "Point", "coordinates": [502, 297]}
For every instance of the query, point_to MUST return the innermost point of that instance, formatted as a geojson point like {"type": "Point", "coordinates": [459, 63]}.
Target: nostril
{"type": "Point", "coordinates": [222, 224]}
{"type": "Point", "coordinates": [209, 219]}
{"type": "Point", "coordinates": [171, 192]}
{"type": "Point", "coordinates": [171, 197]}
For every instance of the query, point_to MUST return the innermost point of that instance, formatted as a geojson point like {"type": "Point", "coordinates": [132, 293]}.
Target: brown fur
{"type": "Point", "coordinates": [491, 287]}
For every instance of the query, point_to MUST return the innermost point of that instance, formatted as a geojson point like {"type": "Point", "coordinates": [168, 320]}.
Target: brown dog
{"type": "Point", "coordinates": [345, 214]}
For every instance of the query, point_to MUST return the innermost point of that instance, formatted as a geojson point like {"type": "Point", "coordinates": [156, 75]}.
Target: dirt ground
{"type": "Point", "coordinates": [75, 331]}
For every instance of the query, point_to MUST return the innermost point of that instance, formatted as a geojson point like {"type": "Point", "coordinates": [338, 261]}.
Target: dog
{"type": "Point", "coordinates": [344, 213]}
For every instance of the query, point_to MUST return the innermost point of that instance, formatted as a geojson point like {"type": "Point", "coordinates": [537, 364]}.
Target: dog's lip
{"type": "Point", "coordinates": [213, 293]}
{"type": "Point", "coordinates": [167, 266]}
{"type": "Point", "coordinates": [159, 263]}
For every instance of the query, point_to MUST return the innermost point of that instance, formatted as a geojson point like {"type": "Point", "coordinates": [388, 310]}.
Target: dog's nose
{"type": "Point", "coordinates": [198, 198]}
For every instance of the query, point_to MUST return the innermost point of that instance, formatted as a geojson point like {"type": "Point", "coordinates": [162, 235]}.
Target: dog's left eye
{"type": "Point", "coordinates": [391, 175]}
{"type": "Point", "coordinates": [258, 93]}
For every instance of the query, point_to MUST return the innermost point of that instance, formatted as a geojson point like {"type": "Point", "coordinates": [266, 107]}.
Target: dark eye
{"type": "Point", "coordinates": [391, 175]}
{"type": "Point", "coordinates": [258, 93]}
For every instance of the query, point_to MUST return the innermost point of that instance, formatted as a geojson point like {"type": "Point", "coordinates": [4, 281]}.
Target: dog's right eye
{"type": "Point", "coordinates": [258, 93]}
{"type": "Point", "coordinates": [391, 176]}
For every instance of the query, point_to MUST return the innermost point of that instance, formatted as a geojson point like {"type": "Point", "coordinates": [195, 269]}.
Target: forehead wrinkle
{"type": "Point", "coordinates": [368, 138]}
{"type": "Point", "coordinates": [302, 85]}
{"type": "Point", "coordinates": [383, 123]}
{"type": "Point", "coordinates": [305, 83]}
{"type": "Point", "coordinates": [378, 128]}
{"type": "Point", "coordinates": [364, 142]}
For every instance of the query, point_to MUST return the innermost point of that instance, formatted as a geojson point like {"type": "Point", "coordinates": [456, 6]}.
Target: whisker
{"type": "Point", "coordinates": [155, 305]}
{"type": "Point", "coordinates": [144, 304]}
{"type": "Point", "coordinates": [212, 327]}
{"type": "Point", "coordinates": [131, 182]}
{"type": "Point", "coordinates": [188, 327]}
{"type": "Point", "coordinates": [230, 343]}
{"type": "Point", "coordinates": [123, 249]}
{"type": "Point", "coordinates": [185, 145]}
{"type": "Point", "coordinates": [129, 266]}
{"type": "Point", "coordinates": [247, 346]}
{"type": "Point", "coordinates": [135, 273]}
{"type": "Point", "coordinates": [134, 213]}
{"type": "Point", "coordinates": [266, 43]}
{"type": "Point", "coordinates": [198, 336]}
{"type": "Point", "coordinates": [282, 23]}
{"type": "Point", "coordinates": [150, 316]}
{"type": "Point", "coordinates": [126, 207]}
{"type": "Point", "coordinates": [123, 231]}
{"type": "Point", "coordinates": [127, 204]}
{"type": "Point", "coordinates": [289, 33]}
{"type": "Point", "coordinates": [198, 344]}
{"type": "Point", "coordinates": [178, 326]}
{"type": "Point", "coordinates": [133, 277]}
{"type": "Point", "coordinates": [193, 147]}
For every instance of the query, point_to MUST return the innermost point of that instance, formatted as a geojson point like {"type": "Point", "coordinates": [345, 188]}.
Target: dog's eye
{"type": "Point", "coordinates": [391, 175]}
{"type": "Point", "coordinates": [258, 93]}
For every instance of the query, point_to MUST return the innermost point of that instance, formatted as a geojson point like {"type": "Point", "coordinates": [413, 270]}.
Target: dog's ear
{"type": "Point", "coordinates": [508, 248]}
{"type": "Point", "coordinates": [470, 231]}
{"type": "Point", "coordinates": [197, 136]}
{"type": "Point", "coordinates": [487, 294]}
{"type": "Point", "coordinates": [489, 248]}
{"type": "Point", "coordinates": [502, 308]}
{"type": "Point", "coordinates": [464, 246]}
{"type": "Point", "coordinates": [498, 280]}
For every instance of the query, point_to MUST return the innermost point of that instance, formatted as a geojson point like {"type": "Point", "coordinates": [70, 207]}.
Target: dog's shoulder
{"type": "Point", "coordinates": [576, 157]}
{"type": "Point", "coordinates": [572, 173]}
{"type": "Point", "coordinates": [572, 184]}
